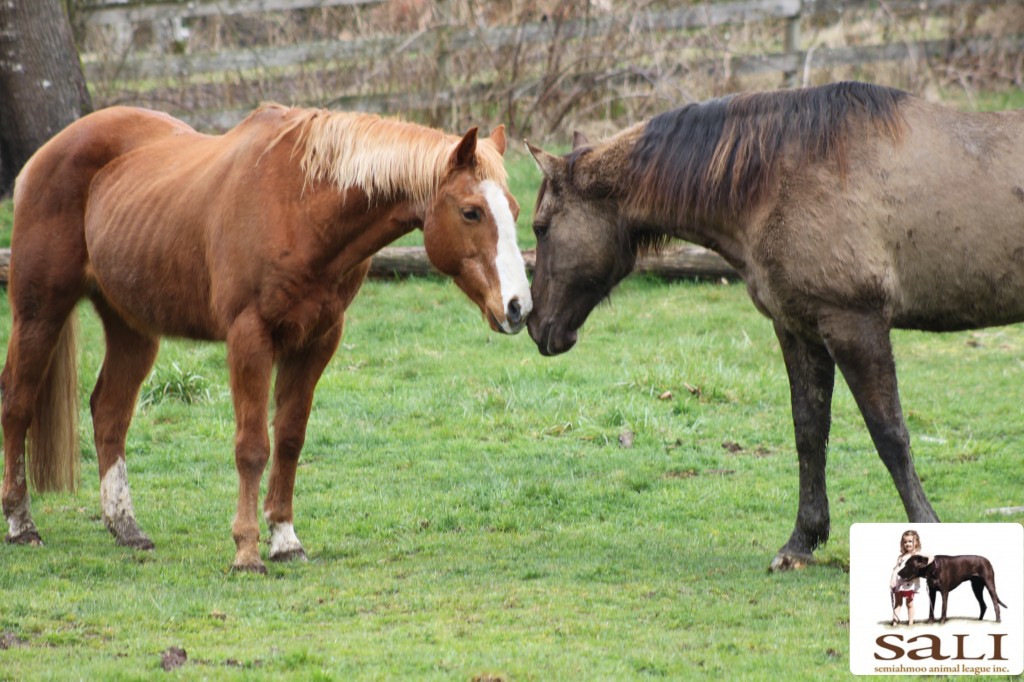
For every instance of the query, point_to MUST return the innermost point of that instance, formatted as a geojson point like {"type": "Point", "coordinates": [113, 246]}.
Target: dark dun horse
{"type": "Point", "coordinates": [847, 210]}
{"type": "Point", "coordinates": [260, 238]}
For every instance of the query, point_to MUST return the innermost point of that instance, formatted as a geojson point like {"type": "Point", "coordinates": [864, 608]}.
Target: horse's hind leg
{"type": "Point", "coordinates": [27, 361]}
{"type": "Point", "coordinates": [38, 328]}
{"type": "Point", "coordinates": [811, 379]}
{"type": "Point", "coordinates": [129, 358]}
{"type": "Point", "coordinates": [297, 376]}
{"type": "Point", "coordinates": [860, 345]}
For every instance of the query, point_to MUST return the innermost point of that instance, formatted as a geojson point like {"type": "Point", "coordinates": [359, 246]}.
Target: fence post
{"type": "Point", "coordinates": [441, 75]}
{"type": "Point", "coordinates": [791, 48]}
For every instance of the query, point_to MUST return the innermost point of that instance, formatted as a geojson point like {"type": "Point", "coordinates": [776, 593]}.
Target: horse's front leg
{"type": "Point", "coordinates": [297, 376]}
{"type": "Point", "coordinates": [811, 379]}
{"type": "Point", "coordinates": [250, 362]}
{"type": "Point", "coordinates": [861, 347]}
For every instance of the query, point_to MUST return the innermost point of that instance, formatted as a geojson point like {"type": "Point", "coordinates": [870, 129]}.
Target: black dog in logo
{"type": "Point", "coordinates": [945, 573]}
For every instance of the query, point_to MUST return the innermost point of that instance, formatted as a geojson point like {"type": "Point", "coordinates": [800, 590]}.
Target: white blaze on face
{"type": "Point", "coordinates": [509, 261]}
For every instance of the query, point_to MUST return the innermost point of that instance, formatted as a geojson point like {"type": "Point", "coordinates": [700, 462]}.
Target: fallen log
{"type": "Point", "coordinates": [673, 263]}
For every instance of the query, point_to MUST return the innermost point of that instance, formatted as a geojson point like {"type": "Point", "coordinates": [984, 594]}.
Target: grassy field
{"type": "Point", "coordinates": [470, 511]}
{"type": "Point", "coordinates": [470, 514]}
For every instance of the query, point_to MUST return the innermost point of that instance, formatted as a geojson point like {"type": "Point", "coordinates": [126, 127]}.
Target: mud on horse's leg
{"type": "Point", "coordinates": [250, 362]}
{"type": "Point", "coordinates": [862, 349]}
{"type": "Point", "coordinates": [129, 358]}
{"type": "Point", "coordinates": [811, 380]}
{"type": "Point", "coordinates": [297, 376]}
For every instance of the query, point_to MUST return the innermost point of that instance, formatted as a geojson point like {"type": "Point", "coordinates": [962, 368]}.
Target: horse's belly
{"type": "Point", "coordinates": [161, 289]}
{"type": "Point", "coordinates": [988, 300]}
{"type": "Point", "coordinates": [962, 292]}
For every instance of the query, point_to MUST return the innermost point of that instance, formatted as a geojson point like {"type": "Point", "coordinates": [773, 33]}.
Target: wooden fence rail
{"type": "Point", "coordinates": [248, 75]}
{"type": "Point", "coordinates": [135, 11]}
{"type": "Point", "coordinates": [429, 41]}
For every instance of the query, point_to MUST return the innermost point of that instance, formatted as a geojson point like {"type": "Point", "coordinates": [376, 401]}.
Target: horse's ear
{"type": "Point", "coordinates": [579, 140]}
{"type": "Point", "coordinates": [465, 151]}
{"type": "Point", "coordinates": [549, 164]}
{"type": "Point", "coordinates": [498, 138]}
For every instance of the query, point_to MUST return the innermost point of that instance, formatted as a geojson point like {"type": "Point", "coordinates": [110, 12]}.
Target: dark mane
{"type": "Point", "coordinates": [723, 154]}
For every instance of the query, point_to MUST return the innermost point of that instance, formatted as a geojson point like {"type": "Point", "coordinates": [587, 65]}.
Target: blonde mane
{"type": "Point", "coordinates": [386, 158]}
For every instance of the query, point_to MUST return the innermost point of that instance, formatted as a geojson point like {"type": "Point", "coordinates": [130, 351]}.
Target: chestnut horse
{"type": "Point", "coordinates": [260, 238]}
{"type": "Point", "coordinates": [847, 210]}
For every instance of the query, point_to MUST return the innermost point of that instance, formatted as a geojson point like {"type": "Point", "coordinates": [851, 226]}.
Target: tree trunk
{"type": "Point", "coordinates": [42, 88]}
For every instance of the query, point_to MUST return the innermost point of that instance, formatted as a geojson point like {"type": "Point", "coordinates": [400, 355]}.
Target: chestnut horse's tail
{"type": "Point", "coordinates": [53, 450]}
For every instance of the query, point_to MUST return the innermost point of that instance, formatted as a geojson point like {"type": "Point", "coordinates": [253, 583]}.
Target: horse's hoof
{"type": "Point", "coordinates": [786, 561]}
{"type": "Point", "coordinates": [257, 568]}
{"type": "Point", "coordinates": [127, 533]}
{"type": "Point", "coordinates": [28, 537]}
{"type": "Point", "coordinates": [137, 542]}
{"type": "Point", "coordinates": [290, 555]}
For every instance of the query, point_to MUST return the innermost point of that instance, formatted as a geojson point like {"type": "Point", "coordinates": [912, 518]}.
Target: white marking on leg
{"type": "Point", "coordinates": [116, 498]}
{"type": "Point", "coordinates": [283, 539]}
{"type": "Point", "coordinates": [19, 519]}
{"type": "Point", "coordinates": [509, 261]}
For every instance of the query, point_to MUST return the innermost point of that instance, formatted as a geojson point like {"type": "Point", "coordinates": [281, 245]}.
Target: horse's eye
{"type": "Point", "coordinates": [540, 230]}
{"type": "Point", "coordinates": [471, 214]}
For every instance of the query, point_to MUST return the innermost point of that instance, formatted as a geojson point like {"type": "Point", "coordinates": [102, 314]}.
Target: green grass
{"type": "Point", "coordinates": [468, 510]}
{"type": "Point", "coordinates": [6, 221]}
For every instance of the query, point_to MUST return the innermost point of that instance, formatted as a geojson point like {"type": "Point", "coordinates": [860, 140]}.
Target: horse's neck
{"type": "Point", "coordinates": [725, 236]}
{"type": "Point", "coordinates": [719, 233]}
{"type": "Point", "coordinates": [357, 233]}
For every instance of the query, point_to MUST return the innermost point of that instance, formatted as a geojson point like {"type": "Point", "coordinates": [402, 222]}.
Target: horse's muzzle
{"type": "Point", "coordinates": [515, 317]}
{"type": "Point", "coordinates": [514, 314]}
{"type": "Point", "coordinates": [550, 339]}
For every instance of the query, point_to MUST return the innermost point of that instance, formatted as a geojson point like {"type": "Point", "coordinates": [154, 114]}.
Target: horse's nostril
{"type": "Point", "coordinates": [514, 313]}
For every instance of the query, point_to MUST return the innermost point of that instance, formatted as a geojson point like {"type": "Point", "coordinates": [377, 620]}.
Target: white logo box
{"type": "Point", "coordinates": [961, 646]}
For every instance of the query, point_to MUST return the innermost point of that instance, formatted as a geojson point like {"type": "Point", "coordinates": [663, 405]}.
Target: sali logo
{"type": "Point", "coordinates": [937, 599]}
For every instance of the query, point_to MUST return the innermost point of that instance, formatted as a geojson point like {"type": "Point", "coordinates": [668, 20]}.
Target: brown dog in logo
{"type": "Point", "coordinates": [945, 573]}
